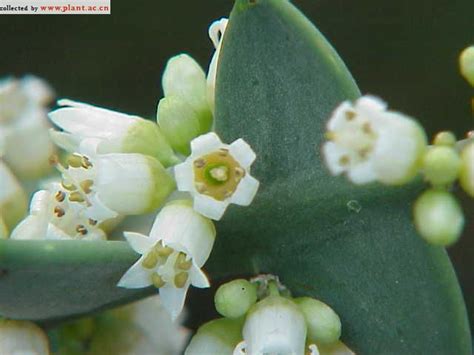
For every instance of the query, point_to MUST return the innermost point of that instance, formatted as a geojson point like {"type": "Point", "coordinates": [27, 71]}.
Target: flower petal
{"type": "Point", "coordinates": [139, 242]}
{"type": "Point", "coordinates": [64, 140]}
{"type": "Point", "coordinates": [198, 278]}
{"type": "Point", "coordinates": [246, 191]}
{"type": "Point", "coordinates": [332, 154]}
{"type": "Point", "coordinates": [184, 176]}
{"type": "Point", "coordinates": [209, 207]}
{"type": "Point", "coordinates": [207, 143]}
{"type": "Point", "coordinates": [173, 298]}
{"type": "Point", "coordinates": [362, 173]}
{"type": "Point", "coordinates": [136, 277]}
{"type": "Point", "coordinates": [242, 152]}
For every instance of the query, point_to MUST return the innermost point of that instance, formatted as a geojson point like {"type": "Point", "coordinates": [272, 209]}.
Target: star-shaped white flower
{"type": "Point", "coordinates": [369, 143]}
{"type": "Point", "coordinates": [217, 174]}
{"type": "Point", "coordinates": [179, 244]}
{"type": "Point", "coordinates": [108, 131]}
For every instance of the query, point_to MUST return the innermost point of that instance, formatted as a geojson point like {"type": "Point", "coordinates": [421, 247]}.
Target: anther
{"type": "Point", "coordinates": [81, 229]}
{"type": "Point", "coordinates": [92, 222]}
{"type": "Point", "coordinates": [157, 280]}
{"type": "Point", "coordinates": [344, 160]}
{"type": "Point", "coordinates": [163, 251]}
{"type": "Point", "coordinates": [68, 186]}
{"type": "Point", "coordinates": [75, 161]}
{"type": "Point", "coordinates": [60, 196]}
{"type": "Point", "coordinates": [366, 128]}
{"type": "Point", "coordinates": [350, 115]}
{"type": "Point", "coordinates": [223, 152]}
{"type": "Point", "coordinates": [199, 163]}
{"type": "Point", "coordinates": [201, 187]}
{"type": "Point", "coordinates": [86, 163]}
{"type": "Point", "coordinates": [150, 260]}
{"type": "Point", "coordinates": [59, 212]}
{"type": "Point", "coordinates": [180, 279]}
{"type": "Point", "coordinates": [182, 263]}
{"type": "Point", "coordinates": [86, 185]}
{"type": "Point", "coordinates": [239, 172]}
{"type": "Point", "coordinates": [76, 197]}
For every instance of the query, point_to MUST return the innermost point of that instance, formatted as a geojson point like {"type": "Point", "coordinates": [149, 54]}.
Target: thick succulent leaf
{"type": "Point", "coordinates": [53, 280]}
{"type": "Point", "coordinates": [354, 248]}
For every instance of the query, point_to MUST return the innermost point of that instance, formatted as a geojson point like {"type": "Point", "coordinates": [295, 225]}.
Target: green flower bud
{"type": "Point", "coordinates": [445, 138]}
{"type": "Point", "coordinates": [466, 175]}
{"type": "Point", "coordinates": [234, 298]}
{"type": "Point", "coordinates": [324, 325]}
{"type": "Point", "coordinates": [438, 217]}
{"type": "Point", "coordinates": [178, 122]}
{"type": "Point", "coordinates": [219, 336]}
{"type": "Point", "coordinates": [441, 165]}
{"type": "Point", "coordinates": [466, 64]}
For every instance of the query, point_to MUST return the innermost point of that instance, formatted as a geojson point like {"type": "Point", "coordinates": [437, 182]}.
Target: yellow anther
{"type": "Point", "coordinates": [81, 229]}
{"type": "Point", "coordinates": [239, 172]}
{"type": "Point", "coordinates": [60, 196]}
{"type": "Point", "coordinates": [182, 263]}
{"type": "Point", "coordinates": [92, 222]}
{"type": "Point", "coordinates": [350, 115]}
{"type": "Point", "coordinates": [150, 260]}
{"type": "Point", "coordinates": [344, 160]}
{"type": "Point", "coordinates": [75, 161]}
{"type": "Point", "coordinates": [86, 163]}
{"type": "Point", "coordinates": [86, 185]}
{"type": "Point", "coordinates": [180, 279]}
{"type": "Point", "coordinates": [157, 280]}
{"type": "Point", "coordinates": [68, 186]}
{"type": "Point", "coordinates": [76, 197]}
{"type": "Point", "coordinates": [58, 211]}
{"type": "Point", "coordinates": [367, 128]}
{"type": "Point", "coordinates": [163, 251]}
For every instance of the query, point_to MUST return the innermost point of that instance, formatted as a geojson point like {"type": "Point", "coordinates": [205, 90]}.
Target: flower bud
{"type": "Point", "coordinates": [13, 201]}
{"type": "Point", "coordinates": [233, 299]}
{"type": "Point", "coordinates": [324, 325]}
{"type": "Point", "coordinates": [441, 165]}
{"type": "Point", "coordinates": [219, 336]}
{"type": "Point", "coordinates": [445, 138]}
{"type": "Point", "coordinates": [438, 217]}
{"type": "Point", "coordinates": [22, 338]}
{"type": "Point", "coordinates": [466, 175]}
{"type": "Point", "coordinates": [466, 64]}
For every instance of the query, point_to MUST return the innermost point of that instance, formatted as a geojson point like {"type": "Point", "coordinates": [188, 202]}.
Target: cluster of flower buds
{"type": "Point", "coordinates": [260, 317]}
{"type": "Point", "coordinates": [369, 143]}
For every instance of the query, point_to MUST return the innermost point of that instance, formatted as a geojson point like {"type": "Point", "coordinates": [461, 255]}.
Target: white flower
{"type": "Point", "coordinates": [217, 174]}
{"type": "Point", "coordinates": [54, 216]}
{"type": "Point", "coordinates": [108, 131]}
{"type": "Point", "coordinates": [369, 143]}
{"type": "Point", "coordinates": [216, 34]}
{"type": "Point", "coordinates": [274, 325]}
{"type": "Point", "coordinates": [179, 244]}
{"type": "Point", "coordinates": [13, 202]}
{"type": "Point", "coordinates": [22, 338]}
{"type": "Point", "coordinates": [23, 118]}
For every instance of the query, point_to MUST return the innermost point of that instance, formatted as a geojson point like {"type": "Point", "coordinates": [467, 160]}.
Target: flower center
{"type": "Point", "coordinates": [169, 265]}
{"type": "Point", "coordinates": [217, 174]}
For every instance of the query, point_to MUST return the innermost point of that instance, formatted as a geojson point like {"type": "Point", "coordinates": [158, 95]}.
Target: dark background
{"type": "Point", "coordinates": [404, 51]}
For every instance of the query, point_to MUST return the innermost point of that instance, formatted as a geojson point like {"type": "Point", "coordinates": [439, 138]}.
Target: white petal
{"type": "Point", "coordinates": [99, 211]}
{"type": "Point", "coordinates": [369, 104]}
{"type": "Point", "coordinates": [182, 228]}
{"type": "Point", "coordinates": [90, 146]}
{"type": "Point", "coordinates": [40, 201]}
{"type": "Point", "coordinates": [136, 277]}
{"type": "Point", "coordinates": [139, 242]}
{"type": "Point", "coordinates": [55, 233]}
{"type": "Point", "coordinates": [184, 176]}
{"type": "Point", "coordinates": [362, 173]}
{"type": "Point", "coordinates": [207, 143]}
{"type": "Point", "coordinates": [246, 191]}
{"type": "Point", "coordinates": [242, 152]}
{"type": "Point", "coordinates": [64, 140]}
{"type": "Point", "coordinates": [338, 117]}
{"type": "Point", "coordinates": [37, 89]}
{"type": "Point", "coordinates": [332, 154]}
{"type": "Point", "coordinates": [209, 207]}
{"type": "Point", "coordinates": [198, 278]}
{"type": "Point", "coordinates": [32, 227]}
{"type": "Point", "coordinates": [173, 299]}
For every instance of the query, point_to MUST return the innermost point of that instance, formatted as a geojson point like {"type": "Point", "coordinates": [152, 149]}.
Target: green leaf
{"type": "Point", "coordinates": [352, 247]}
{"type": "Point", "coordinates": [53, 280]}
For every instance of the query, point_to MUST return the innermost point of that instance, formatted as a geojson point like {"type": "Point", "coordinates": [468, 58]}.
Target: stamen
{"type": "Point", "coordinates": [150, 260]}
{"type": "Point", "coordinates": [59, 212]}
{"type": "Point", "coordinates": [60, 196]}
{"type": "Point", "coordinates": [163, 251]}
{"type": "Point", "coordinates": [68, 186]}
{"type": "Point", "coordinates": [75, 161]}
{"type": "Point", "coordinates": [76, 197]}
{"type": "Point", "coordinates": [223, 152]}
{"type": "Point", "coordinates": [92, 222]}
{"type": "Point", "coordinates": [86, 163]}
{"type": "Point", "coordinates": [180, 279]}
{"type": "Point", "coordinates": [182, 263]}
{"type": "Point", "coordinates": [350, 115]}
{"type": "Point", "coordinates": [366, 128]}
{"type": "Point", "coordinates": [344, 160]}
{"type": "Point", "coordinates": [81, 229]}
{"type": "Point", "coordinates": [239, 172]}
{"type": "Point", "coordinates": [157, 281]}
{"type": "Point", "coordinates": [86, 185]}
{"type": "Point", "coordinates": [199, 163]}
{"type": "Point", "coordinates": [201, 187]}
